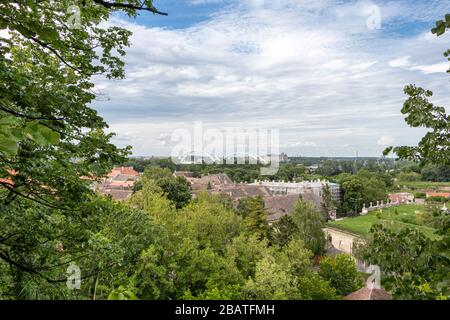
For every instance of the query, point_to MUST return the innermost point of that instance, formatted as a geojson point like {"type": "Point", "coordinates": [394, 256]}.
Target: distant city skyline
{"type": "Point", "coordinates": [319, 71]}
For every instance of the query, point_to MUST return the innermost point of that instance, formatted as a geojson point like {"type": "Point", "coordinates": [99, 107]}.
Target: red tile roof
{"type": "Point", "coordinates": [123, 170]}
{"type": "Point", "coordinates": [369, 294]}
{"type": "Point", "coordinates": [438, 194]}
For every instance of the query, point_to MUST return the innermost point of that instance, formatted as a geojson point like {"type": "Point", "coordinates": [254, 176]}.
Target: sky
{"type": "Point", "coordinates": [328, 74]}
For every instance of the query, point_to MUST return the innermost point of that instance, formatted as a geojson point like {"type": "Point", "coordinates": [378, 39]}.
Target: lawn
{"type": "Point", "coordinates": [397, 218]}
{"type": "Point", "coordinates": [419, 185]}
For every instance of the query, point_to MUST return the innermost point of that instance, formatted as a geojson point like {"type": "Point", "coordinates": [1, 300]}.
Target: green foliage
{"type": "Point", "coordinates": [176, 189]}
{"type": "Point", "coordinates": [411, 176]}
{"type": "Point", "coordinates": [122, 293]}
{"type": "Point", "coordinates": [209, 252]}
{"type": "Point", "coordinates": [305, 223]}
{"type": "Point", "coordinates": [103, 238]}
{"type": "Point", "coordinates": [341, 272]}
{"type": "Point", "coordinates": [297, 257]}
{"type": "Point", "coordinates": [414, 266]}
{"type": "Point", "coordinates": [434, 147]}
{"type": "Point", "coordinates": [308, 223]}
{"type": "Point", "coordinates": [12, 132]}
{"type": "Point", "coordinates": [420, 195]}
{"type": "Point", "coordinates": [364, 187]}
{"type": "Point", "coordinates": [441, 26]}
{"type": "Point", "coordinates": [394, 218]}
{"type": "Point", "coordinates": [254, 214]}
{"type": "Point", "coordinates": [313, 287]}
{"type": "Point", "coordinates": [327, 201]}
{"type": "Point", "coordinates": [281, 231]}
{"type": "Point", "coordinates": [49, 139]}
{"type": "Point", "coordinates": [435, 173]}
{"type": "Point", "coordinates": [271, 282]}
{"type": "Point", "coordinates": [229, 292]}
{"type": "Point", "coordinates": [437, 199]}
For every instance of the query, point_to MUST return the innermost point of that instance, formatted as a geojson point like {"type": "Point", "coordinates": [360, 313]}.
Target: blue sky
{"type": "Point", "coordinates": [322, 72]}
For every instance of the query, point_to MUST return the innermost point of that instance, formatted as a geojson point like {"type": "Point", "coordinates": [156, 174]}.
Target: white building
{"type": "Point", "coordinates": [316, 187]}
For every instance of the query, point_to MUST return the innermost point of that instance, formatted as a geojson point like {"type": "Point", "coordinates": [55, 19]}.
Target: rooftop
{"type": "Point", "coordinates": [369, 294]}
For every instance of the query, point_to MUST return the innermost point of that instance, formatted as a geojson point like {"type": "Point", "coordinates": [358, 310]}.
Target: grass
{"type": "Point", "coordinates": [396, 218]}
{"type": "Point", "coordinates": [420, 185]}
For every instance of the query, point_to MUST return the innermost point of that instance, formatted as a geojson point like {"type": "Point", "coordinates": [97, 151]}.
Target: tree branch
{"type": "Point", "coordinates": [112, 5]}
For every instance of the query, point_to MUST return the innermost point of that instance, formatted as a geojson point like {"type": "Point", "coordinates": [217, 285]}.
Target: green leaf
{"type": "Point", "coordinates": [50, 136]}
{"type": "Point", "coordinates": [116, 296]}
{"type": "Point", "coordinates": [440, 28]}
{"type": "Point", "coordinates": [9, 120]}
{"type": "Point", "coordinates": [387, 151]}
{"type": "Point", "coordinates": [41, 134]}
{"type": "Point", "coordinates": [8, 145]}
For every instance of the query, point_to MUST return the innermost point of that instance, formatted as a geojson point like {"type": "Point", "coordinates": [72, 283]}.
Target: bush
{"type": "Point", "coordinates": [410, 176]}
{"type": "Point", "coordinates": [436, 199]}
{"type": "Point", "coordinates": [341, 272]}
{"type": "Point", "coordinates": [420, 195]}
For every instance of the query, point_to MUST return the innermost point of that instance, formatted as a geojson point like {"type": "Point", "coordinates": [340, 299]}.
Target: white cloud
{"type": "Point", "coordinates": [400, 62]}
{"type": "Point", "coordinates": [433, 68]}
{"type": "Point", "coordinates": [310, 68]}
{"type": "Point", "coordinates": [385, 141]}
{"type": "Point", "coordinates": [291, 144]}
{"type": "Point", "coordinates": [405, 62]}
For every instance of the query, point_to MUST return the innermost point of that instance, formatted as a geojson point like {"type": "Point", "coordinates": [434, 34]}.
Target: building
{"type": "Point", "coordinates": [343, 241]}
{"type": "Point", "coordinates": [119, 183]}
{"type": "Point", "coordinates": [185, 174]}
{"type": "Point", "coordinates": [279, 200]}
{"type": "Point", "coordinates": [125, 171]}
{"type": "Point", "coordinates": [367, 293]}
{"type": "Point", "coordinates": [239, 190]}
{"type": "Point", "coordinates": [315, 187]}
{"type": "Point", "coordinates": [401, 197]}
{"type": "Point", "coordinates": [279, 206]}
{"type": "Point", "coordinates": [210, 182]}
{"type": "Point", "coordinates": [438, 194]}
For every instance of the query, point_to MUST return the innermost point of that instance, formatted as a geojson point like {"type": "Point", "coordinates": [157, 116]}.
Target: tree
{"type": "Point", "coordinates": [176, 189]}
{"type": "Point", "coordinates": [282, 231]}
{"type": "Point", "coordinates": [435, 173]}
{"type": "Point", "coordinates": [434, 147]}
{"type": "Point", "coordinates": [360, 189]}
{"type": "Point", "coordinates": [271, 282]}
{"type": "Point", "coordinates": [157, 173]}
{"type": "Point", "coordinates": [53, 145]}
{"type": "Point", "coordinates": [313, 287]}
{"type": "Point", "coordinates": [254, 214]}
{"type": "Point", "coordinates": [327, 202]}
{"type": "Point", "coordinates": [46, 67]}
{"type": "Point", "coordinates": [298, 258]}
{"type": "Point", "coordinates": [408, 176]}
{"type": "Point", "coordinates": [353, 194]}
{"type": "Point", "coordinates": [103, 238]}
{"type": "Point", "coordinates": [341, 272]}
{"type": "Point", "coordinates": [414, 266]}
{"type": "Point", "coordinates": [308, 223]}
